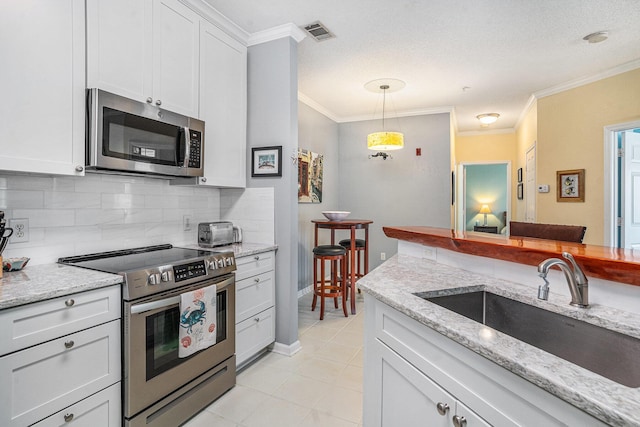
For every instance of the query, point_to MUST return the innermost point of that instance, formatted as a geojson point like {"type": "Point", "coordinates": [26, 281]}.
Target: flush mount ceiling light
{"type": "Point", "coordinates": [598, 37]}
{"type": "Point", "coordinates": [488, 118]}
{"type": "Point", "coordinates": [384, 140]}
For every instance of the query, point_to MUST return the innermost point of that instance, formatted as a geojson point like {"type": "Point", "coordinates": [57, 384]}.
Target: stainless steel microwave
{"type": "Point", "coordinates": [127, 136]}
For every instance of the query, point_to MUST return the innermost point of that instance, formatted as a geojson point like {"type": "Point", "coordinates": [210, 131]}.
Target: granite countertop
{"type": "Point", "coordinates": [41, 282]}
{"type": "Point", "coordinates": [239, 249]}
{"type": "Point", "coordinates": [396, 281]}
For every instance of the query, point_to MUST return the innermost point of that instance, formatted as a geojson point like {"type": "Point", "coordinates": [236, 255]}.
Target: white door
{"type": "Point", "coordinates": [530, 187]}
{"type": "Point", "coordinates": [631, 190]}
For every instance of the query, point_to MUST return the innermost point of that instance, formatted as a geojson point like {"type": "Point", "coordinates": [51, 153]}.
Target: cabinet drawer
{"type": "Point", "coordinates": [253, 295]}
{"type": "Point", "coordinates": [254, 334]}
{"type": "Point", "coordinates": [99, 410]}
{"type": "Point", "coordinates": [254, 264]}
{"type": "Point", "coordinates": [28, 325]}
{"type": "Point", "coordinates": [46, 378]}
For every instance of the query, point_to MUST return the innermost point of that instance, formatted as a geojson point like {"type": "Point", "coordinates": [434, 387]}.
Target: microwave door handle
{"type": "Point", "coordinates": [187, 146]}
{"type": "Point", "coordinates": [140, 308]}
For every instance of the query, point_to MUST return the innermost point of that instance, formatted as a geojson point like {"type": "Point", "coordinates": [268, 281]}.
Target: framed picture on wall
{"type": "Point", "coordinates": [519, 174]}
{"type": "Point", "coordinates": [265, 161]}
{"type": "Point", "coordinates": [570, 185]}
{"type": "Point", "coordinates": [520, 191]}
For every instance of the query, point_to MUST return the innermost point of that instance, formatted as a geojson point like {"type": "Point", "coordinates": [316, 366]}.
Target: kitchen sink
{"type": "Point", "coordinates": [608, 353]}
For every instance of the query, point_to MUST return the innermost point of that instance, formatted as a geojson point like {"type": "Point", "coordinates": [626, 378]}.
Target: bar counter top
{"type": "Point", "coordinates": [619, 265]}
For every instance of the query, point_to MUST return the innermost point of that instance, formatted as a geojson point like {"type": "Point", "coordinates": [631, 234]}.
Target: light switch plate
{"type": "Point", "coordinates": [543, 188]}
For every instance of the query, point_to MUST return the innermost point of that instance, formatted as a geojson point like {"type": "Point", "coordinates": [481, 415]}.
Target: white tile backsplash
{"type": "Point", "coordinates": [101, 212]}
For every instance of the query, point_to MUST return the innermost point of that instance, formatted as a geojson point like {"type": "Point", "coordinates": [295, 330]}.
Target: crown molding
{"type": "Point", "coordinates": [486, 132]}
{"type": "Point", "coordinates": [319, 108]}
{"type": "Point", "coordinates": [275, 33]}
{"type": "Point", "coordinates": [530, 103]}
{"type": "Point", "coordinates": [572, 84]}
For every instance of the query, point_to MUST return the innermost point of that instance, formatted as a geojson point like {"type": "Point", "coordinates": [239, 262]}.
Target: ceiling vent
{"type": "Point", "coordinates": [318, 31]}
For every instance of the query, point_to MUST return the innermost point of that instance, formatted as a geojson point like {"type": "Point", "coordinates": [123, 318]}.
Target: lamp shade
{"type": "Point", "coordinates": [485, 209]}
{"type": "Point", "coordinates": [383, 141]}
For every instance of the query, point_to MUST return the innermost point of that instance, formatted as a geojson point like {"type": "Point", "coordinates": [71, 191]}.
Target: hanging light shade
{"type": "Point", "coordinates": [384, 140]}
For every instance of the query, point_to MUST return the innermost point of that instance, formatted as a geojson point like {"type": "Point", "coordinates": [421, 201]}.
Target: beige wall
{"type": "Point", "coordinates": [570, 135]}
{"type": "Point", "coordinates": [496, 147]}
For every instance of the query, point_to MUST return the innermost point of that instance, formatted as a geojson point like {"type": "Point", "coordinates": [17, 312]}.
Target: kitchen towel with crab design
{"type": "Point", "coordinates": [197, 320]}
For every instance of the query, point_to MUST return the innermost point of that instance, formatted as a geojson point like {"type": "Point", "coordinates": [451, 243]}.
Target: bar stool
{"type": "Point", "coordinates": [336, 286]}
{"type": "Point", "coordinates": [361, 249]}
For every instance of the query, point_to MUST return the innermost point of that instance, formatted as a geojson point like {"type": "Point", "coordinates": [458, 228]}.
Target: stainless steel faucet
{"type": "Point", "coordinates": [577, 281]}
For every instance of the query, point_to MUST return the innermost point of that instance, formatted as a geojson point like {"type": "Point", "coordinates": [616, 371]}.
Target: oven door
{"type": "Point", "coordinates": [152, 368]}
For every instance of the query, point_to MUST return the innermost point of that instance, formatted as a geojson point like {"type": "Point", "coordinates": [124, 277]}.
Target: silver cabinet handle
{"type": "Point", "coordinates": [68, 418]}
{"type": "Point", "coordinates": [257, 257]}
{"type": "Point", "coordinates": [158, 102]}
{"type": "Point", "coordinates": [79, 168]}
{"type": "Point", "coordinates": [203, 179]}
{"type": "Point", "coordinates": [443, 408]}
{"type": "Point", "coordinates": [149, 100]}
{"type": "Point", "coordinates": [68, 344]}
{"type": "Point", "coordinates": [459, 421]}
{"type": "Point", "coordinates": [257, 280]}
{"type": "Point", "coordinates": [69, 302]}
{"type": "Point", "coordinates": [256, 319]}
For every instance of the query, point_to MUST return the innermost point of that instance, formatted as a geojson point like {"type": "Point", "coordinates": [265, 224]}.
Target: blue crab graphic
{"type": "Point", "coordinates": [189, 317]}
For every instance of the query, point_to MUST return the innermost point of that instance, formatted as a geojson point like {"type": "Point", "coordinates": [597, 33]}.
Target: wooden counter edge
{"type": "Point", "coordinates": [613, 264]}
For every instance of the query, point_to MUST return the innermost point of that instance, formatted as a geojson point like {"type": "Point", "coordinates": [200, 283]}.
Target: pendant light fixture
{"type": "Point", "coordinates": [384, 140]}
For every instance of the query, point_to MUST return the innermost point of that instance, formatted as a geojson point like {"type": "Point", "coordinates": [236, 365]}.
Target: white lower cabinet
{"type": "Point", "coordinates": [76, 358]}
{"type": "Point", "coordinates": [99, 410]}
{"type": "Point", "coordinates": [414, 376]}
{"type": "Point", "coordinates": [255, 305]}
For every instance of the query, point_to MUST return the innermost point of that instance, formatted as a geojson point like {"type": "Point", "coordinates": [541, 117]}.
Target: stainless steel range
{"type": "Point", "coordinates": [159, 387]}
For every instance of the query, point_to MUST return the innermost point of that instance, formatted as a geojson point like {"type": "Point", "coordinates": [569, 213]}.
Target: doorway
{"type": "Point", "coordinates": [622, 185]}
{"type": "Point", "coordinates": [484, 197]}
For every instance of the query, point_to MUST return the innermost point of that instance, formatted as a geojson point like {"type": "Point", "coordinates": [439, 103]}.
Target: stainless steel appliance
{"type": "Point", "coordinates": [159, 388]}
{"type": "Point", "coordinates": [128, 136]}
{"type": "Point", "coordinates": [218, 233]}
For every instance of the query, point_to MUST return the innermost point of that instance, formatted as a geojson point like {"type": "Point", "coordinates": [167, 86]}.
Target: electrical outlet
{"type": "Point", "coordinates": [186, 223]}
{"type": "Point", "coordinates": [20, 230]}
{"type": "Point", "coordinates": [383, 256]}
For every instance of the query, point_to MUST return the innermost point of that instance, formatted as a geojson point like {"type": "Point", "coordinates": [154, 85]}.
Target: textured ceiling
{"type": "Point", "coordinates": [502, 50]}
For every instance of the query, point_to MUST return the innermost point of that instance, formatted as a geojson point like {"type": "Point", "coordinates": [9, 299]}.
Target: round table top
{"type": "Point", "coordinates": [345, 223]}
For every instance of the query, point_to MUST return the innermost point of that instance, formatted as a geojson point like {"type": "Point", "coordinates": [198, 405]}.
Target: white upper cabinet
{"type": "Point", "coordinates": [146, 50]}
{"type": "Point", "coordinates": [223, 107]}
{"type": "Point", "coordinates": [42, 81]}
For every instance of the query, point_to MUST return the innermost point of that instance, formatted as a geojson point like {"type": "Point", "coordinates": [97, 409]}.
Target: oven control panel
{"type": "Point", "coordinates": [189, 271]}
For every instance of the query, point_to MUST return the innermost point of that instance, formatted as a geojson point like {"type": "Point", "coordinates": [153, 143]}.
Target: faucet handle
{"type": "Point", "coordinates": [577, 271]}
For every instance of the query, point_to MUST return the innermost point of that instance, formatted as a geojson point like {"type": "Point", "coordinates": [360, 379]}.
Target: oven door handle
{"type": "Point", "coordinates": [140, 308]}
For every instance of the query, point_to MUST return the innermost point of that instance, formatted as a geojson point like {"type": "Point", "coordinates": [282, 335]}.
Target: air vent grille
{"type": "Point", "coordinates": [318, 31]}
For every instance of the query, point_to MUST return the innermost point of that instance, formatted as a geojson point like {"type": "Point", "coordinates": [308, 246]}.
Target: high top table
{"type": "Point", "coordinates": [353, 225]}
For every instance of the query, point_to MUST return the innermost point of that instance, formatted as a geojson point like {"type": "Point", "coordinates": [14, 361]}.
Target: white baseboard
{"type": "Point", "coordinates": [287, 350]}
{"type": "Point", "coordinates": [302, 292]}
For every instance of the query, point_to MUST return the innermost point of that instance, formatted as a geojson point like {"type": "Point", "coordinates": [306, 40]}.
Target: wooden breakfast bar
{"type": "Point", "coordinates": [352, 225]}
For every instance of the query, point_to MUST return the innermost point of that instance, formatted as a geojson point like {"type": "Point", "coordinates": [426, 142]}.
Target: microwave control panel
{"type": "Point", "coordinates": [195, 148]}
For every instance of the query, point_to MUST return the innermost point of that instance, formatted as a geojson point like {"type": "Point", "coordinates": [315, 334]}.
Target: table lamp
{"type": "Point", "coordinates": [485, 210]}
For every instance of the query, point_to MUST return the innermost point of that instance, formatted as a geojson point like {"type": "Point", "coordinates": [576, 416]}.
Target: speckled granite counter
{"type": "Point", "coordinates": [41, 282]}
{"type": "Point", "coordinates": [396, 281]}
{"type": "Point", "coordinates": [239, 249]}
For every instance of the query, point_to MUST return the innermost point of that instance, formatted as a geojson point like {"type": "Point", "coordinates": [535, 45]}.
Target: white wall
{"type": "Point", "coordinates": [319, 134]}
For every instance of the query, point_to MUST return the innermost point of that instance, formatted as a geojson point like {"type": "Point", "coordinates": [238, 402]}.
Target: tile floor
{"type": "Point", "coordinates": [320, 386]}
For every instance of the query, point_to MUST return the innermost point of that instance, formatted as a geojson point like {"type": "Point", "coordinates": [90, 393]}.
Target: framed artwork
{"type": "Point", "coordinates": [266, 161]}
{"type": "Point", "coordinates": [519, 174]}
{"type": "Point", "coordinates": [570, 185]}
{"type": "Point", "coordinates": [520, 191]}
{"type": "Point", "coordinates": [310, 174]}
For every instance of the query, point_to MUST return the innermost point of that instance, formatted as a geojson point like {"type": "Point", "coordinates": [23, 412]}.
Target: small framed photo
{"type": "Point", "coordinates": [520, 191]}
{"type": "Point", "coordinates": [266, 161]}
{"type": "Point", "coordinates": [570, 186]}
{"type": "Point", "coordinates": [519, 174]}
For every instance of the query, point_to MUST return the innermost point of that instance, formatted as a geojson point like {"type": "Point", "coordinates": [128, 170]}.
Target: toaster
{"type": "Point", "coordinates": [217, 233]}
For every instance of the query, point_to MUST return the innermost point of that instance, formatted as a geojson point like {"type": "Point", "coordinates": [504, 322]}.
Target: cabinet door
{"type": "Point", "coordinates": [119, 47]}
{"type": "Point", "coordinates": [49, 377]}
{"type": "Point", "coordinates": [254, 334]}
{"type": "Point", "coordinates": [175, 52]}
{"type": "Point", "coordinates": [408, 397]}
{"type": "Point", "coordinates": [470, 418]}
{"type": "Point", "coordinates": [42, 81]}
{"type": "Point", "coordinates": [223, 107]}
{"type": "Point", "coordinates": [99, 410]}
